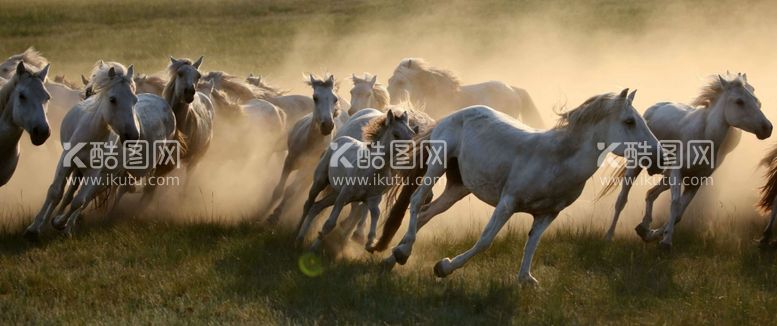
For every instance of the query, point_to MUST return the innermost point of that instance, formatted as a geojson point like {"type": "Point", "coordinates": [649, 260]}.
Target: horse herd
{"type": "Point", "coordinates": [482, 148]}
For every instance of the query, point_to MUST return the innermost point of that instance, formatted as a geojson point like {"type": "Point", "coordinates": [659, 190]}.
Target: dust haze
{"type": "Point", "coordinates": [556, 52]}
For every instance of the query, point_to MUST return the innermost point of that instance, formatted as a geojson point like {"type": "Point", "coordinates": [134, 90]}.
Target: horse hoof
{"type": "Point", "coordinates": [400, 256]}
{"type": "Point", "coordinates": [642, 231]}
{"type": "Point", "coordinates": [440, 269]}
{"type": "Point", "coordinates": [528, 280]}
{"type": "Point", "coordinates": [32, 236]}
{"type": "Point", "coordinates": [389, 263]}
{"type": "Point", "coordinates": [59, 222]}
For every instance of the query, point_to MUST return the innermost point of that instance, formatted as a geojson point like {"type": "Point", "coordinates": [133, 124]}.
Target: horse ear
{"type": "Point", "coordinates": [130, 71]}
{"type": "Point", "coordinates": [624, 92]}
{"type": "Point", "coordinates": [723, 82]}
{"type": "Point", "coordinates": [353, 76]}
{"type": "Point", "coordinates": [111, 72]}
{"type": "Point", "coordinates": [373, 80]}
{"type": "Point", "coordinates": [744, 77]}
{"type": "Point", "coordinates": [416, 129]}
{"type": "Point", "coordinates": [312, 80]}
{"type": "Point", "coordinates": [409, 63]}
{"type": "Point", "coordinates": [389, 116]}
{"type": "Point", "coordinates": [250, 74]}
{"type": "Point", "coordinates": [100, 63]}
{"type": "Point", "coordinates": [20, 69]}
{"type": "Point", "coordinates": [405, 116]}
{"type": "Point", "coordinates": [197, 63]}
{"type": "Point", "coordinates": [44, 72]}
{"type": "Point", "coordinates": [631, 96]}
{"type": "Point", "coordinates": [84, 80]}
{"type": "Point", "coordinates": [331, 80]}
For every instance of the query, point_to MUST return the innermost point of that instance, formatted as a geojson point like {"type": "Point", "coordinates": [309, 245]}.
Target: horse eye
{"type": "Point", "coordinates": [180, 74]}
{"type": "Point", "coordinates": [629, 121]}
{"type": "Point", "coordinates": [315, 98]}
{"type": "Point", "coordinates": [22, 97]}
{"type": "Point", "coordinates": [740, 102]}
{"type": "Point", "coordinates": [113, 99]}
{"type": "Point", "coordinates": [335, 100]}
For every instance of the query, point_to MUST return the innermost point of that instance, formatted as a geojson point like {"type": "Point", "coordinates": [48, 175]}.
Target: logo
{"type": "Point", "coordinates": [130, 155]}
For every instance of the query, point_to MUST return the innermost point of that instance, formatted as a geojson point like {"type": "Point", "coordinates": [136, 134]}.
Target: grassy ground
{"type": "Point", "coordinates": [152, 272]}
{"type": "Point", "coordinates": [147, 272]}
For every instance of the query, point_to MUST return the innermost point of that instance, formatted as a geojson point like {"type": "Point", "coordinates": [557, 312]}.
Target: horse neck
{"type": "Point", "coordinates": [10, 132]}
{"type": "Point", "coordinates": [180, 108]}
{"type": "Point", "coordinates": [716, 128]}
{"type": "Point", "coordinates": [382, 147]}
{"type": "Point", "coordinates": [577, 149]}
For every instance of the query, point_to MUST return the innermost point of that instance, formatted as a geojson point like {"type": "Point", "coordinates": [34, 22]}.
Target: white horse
{"type": "Point", "coordinates": [439, 90]}
{"type": "Point", "coordinates": [306, 141]}
{"type": "Point", "coordinates": [378, 132]}
{"type": "Point", "coordinates": [515, 169]}
{"type": "Point", "coordinates": [725, 105]}
{"type": "Point", "coordinates": [368, 93]}
{"type": "Point", "coordinates": [23, 101]}
{"type": "Point", "coordinates": [193, 114]}
{"type": "Point", "coordinates": [108, 116]}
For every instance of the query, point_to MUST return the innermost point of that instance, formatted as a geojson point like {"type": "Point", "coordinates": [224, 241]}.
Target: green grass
{"type": "Point", "coordinates": [140, 272]}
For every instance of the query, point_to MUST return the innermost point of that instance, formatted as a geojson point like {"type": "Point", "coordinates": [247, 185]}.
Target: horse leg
{"type": "Point", "coordinates": [537, 228]}
{"type": "Point", "coordinates": [80, 201]}
{"type": "Point", "coordinates": [504, 210]}
{"type": "Point", "coordinates": [278, 191]}
{"type": "Point", "coordinates": [319, 184]}
{"type": "Point", "coordinates": [359, 215]}
{"type": "Point", "coordinates": [767, 234]}
{"type": "Point", "coordinates": [313, 213]}
{"type": "Point", "coordinates": [374, 205]}
{"type": "Point", "coordinates": [71, 191]}
{"type": "Point", "coordinates": [623, 197]}
{"type": "Point", "coordinates": [643, 229]}
{"type": "Point", "coordinates": [53, 198]}
{"type": "Point", "coordinates": [403, 250]}
{"type": "Point", "coordinates": [678, 208]}
{"type": "Point", "coordinates": [343, 198]}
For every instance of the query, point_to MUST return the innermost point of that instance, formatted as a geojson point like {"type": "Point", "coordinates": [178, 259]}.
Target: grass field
{"type": "Point", "coordinates": [146, 271]}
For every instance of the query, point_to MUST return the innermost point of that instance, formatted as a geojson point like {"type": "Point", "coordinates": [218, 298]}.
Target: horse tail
{"type": "Point", "coordinates": [529, 113]}
{"type": "Point", "coordinates": [612, 182]}
{"type": "Point", "coordinates": [769, 190]}
{"type": "Point", "coordinates": [397, 201]}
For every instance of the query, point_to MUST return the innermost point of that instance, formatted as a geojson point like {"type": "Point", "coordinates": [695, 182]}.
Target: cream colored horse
{"type": "Point", "coordinates": [368, 93]}
{"type": "Point", "coordinates": [439, 91]}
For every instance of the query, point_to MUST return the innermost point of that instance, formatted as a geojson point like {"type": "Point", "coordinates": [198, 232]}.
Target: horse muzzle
{"type": "Point", "coordinates": [38, 136]}
{"type": "Point", "coordinates": [327, 127]}
{"type": "Point", "coordinates": [765, 131]}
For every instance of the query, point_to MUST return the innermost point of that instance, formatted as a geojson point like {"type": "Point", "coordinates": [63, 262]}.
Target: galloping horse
{"type": "Point", "coordinates": [727, 103]}
{"type": "Point", "coordinates": [440, 91]}
{"type": "Point", "coordinates": [515, 169]}
{"type": "Point", "coordinates": [106, 117]}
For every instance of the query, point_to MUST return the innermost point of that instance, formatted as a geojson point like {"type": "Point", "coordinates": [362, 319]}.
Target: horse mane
{"type": "Point", "coordinates": [101, 80]}
{"type": "Point", "coordinates": [221, 101]}
{"type": "Point", "coordinates": [235, 87]}
{"type": "Point", "coordinates": [155, 82]}
{"type": "Point", "coordinates": [379, 92]}
{"type": "Point", "coordinates": [6, 89]}
{"type": "Point", "coordinates": [60, 79]}
{"type": "Point", "coordinates": [430, 79]}
{"type": "Point", "coordinates": [710, 92]}
{"type": "Point", "coordinates": [30, 57]}
{"type": "Point", "coordinates": [267, 89]}
{"type": "Point", "coordinates": [593, 110]}
{"type": "Point", "coordinates": [167, 92]}
{"type": "Point", "coordinates": [769, 190]}
{"type": "Point", "coordinates": [373, 130]}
